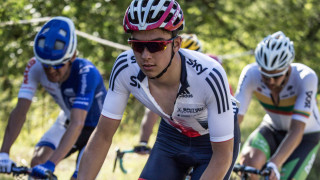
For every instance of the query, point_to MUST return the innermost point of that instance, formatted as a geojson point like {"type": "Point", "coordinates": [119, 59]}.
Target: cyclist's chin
{"type": "Point", "coordinates": [150, 74]}
{"type": "Point", "coordinates": [53, 78]}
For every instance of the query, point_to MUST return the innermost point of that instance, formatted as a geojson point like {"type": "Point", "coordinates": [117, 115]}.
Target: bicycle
{"type": "Point", "coordinates": [247, 170]}
{"type": "Point", "coordinates": [18, 171]}
{"type": "Point", "coordinates": [120, 154]}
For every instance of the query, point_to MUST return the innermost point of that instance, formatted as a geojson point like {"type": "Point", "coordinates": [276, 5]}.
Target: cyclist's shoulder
{"type": "Point", "coordinates": [303, 72]}
{"type": "Point", "coordinates": [199, 64]}
{"type": "Point", "coordinates": [33, 67]}
{"type": "Point", "coordinates": [83, 66]}
{"type": "Point", "coordinates": [251, 68]}
{"type": "Point", "coordinates": [125, 57]}
{"type": "Point", "coordinates": [125, 62]}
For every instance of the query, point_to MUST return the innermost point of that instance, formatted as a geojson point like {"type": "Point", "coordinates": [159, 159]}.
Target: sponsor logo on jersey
{"type": "Point", "coordinates": [134, 82]}
{"type": "Point", "coordinates": [185, 94]}
{"type": "Point", "coordinates": [133, 59]}
{"type": "Point", "coordinates": [85, 69]}
{"type": "Point", "coordinates": [307, 103]}
{"type": "Point", "coordinates": [26, 71]}
{"type": "Point", "coordinates": [198, 67]}
{"type": "Point", "coordinates": [186, 110]}
{"type": "Point", "coordinates": [69, 92]}
{"type": "Point", "coordinates": [310, 163]}
{"type": "Point", "coordinates": [83, 83]}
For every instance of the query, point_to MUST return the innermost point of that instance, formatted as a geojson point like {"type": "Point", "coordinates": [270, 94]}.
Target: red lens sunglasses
{"type": "Point", "coordinates": [152, 46]}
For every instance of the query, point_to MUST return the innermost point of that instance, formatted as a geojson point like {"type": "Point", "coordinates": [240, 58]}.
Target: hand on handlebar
{"type": "Point", "coordinates": [142, 148]}
{"type": "Point", "coordinates": [42, 170]}
{"type": "Point", "coordinates": [5, 163]}
{"type": "Point", "coordinates": [270, 166]}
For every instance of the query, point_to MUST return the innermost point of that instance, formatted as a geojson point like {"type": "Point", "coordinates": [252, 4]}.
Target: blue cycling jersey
{"type": "Point", "coordinates": [84, 88]}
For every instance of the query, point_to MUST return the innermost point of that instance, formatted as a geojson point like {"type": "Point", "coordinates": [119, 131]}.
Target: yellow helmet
{"type": "Point", "coordinates": [190, 41]}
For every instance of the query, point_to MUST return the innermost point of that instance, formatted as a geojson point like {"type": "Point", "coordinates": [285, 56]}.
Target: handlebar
{"type": "Point", "coordinates": [22, 170]}
{"type": "Point", "coordinates": [246, 170]}
{"type": "Point", "coordinates": [119, 157]}
{"type": "Point", "coordinates": [120, 154]}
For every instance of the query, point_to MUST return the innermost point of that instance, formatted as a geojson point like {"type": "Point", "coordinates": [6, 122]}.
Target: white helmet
{"type": "Point", "coordinates": [275, 52]}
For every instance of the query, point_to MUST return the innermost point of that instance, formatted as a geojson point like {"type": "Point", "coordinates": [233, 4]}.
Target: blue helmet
{"type": "Point", "coordinates": [56, 42]}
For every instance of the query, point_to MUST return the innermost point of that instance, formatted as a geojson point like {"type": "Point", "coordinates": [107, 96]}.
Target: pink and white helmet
{"type": "Point", "coordinates": [152, 14]}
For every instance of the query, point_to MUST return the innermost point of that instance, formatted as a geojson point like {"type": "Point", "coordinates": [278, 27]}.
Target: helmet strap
{"type": "Point", "coordinates": [165, 69]}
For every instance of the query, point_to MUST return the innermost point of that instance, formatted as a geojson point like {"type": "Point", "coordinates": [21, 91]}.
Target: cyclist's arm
{"type": "Point", "coordinates": [289, 143]}
{"type": "Point", "coordinates": [77, 120]}
{"type": "Point", "coordinates": [97, 148]}
{"type": "Point", "coordinates": [16, 121]}
{"type": "Point", "coordinates": [240, 118]}
{"type": "Point", "coordinates": [147, 124]}
{"type": "Point", "coordinates": [220, 162]}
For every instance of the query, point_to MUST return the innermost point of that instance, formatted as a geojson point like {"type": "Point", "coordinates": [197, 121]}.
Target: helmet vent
{"type": "Point", "coordinates": [135, 20]}
{"type": "Point", "coordinates": [159, 15]}
{"type": "Point", "coordinates": [176, 22]}
{"type": "Point", "coordinates": [168, 18]}
{"type": "Point", "coordinates": [281, 55]}
{"type": "Point", "coordinates": [265, 58]}
{"type": "Point", "coordinates": [63, 33]}
{"type": "Point", "coordinates": [279, 46]}
{"type": "Point", "coordinates": [41, 43]}
{"type": "Point", "coordinates": [166, 4]}
{"type": "Point", "coordinates": [273, 45]}
{"type": "Point", "coordinates": [284, 57]}
{"type": "Point", "coordinates": [58, 45]}
{"type": "Point", "coordinates": [144, 3]}
{"type": "Point", "coordinates": [155, 3]}
{"type": "Point", "coordinates": [45, 30]}
{"type": "Point", "coordinates": [268, 44]}
{"type": "Point", "coordinates": [274, 60]}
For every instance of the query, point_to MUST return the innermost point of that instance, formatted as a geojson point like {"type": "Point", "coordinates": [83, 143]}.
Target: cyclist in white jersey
{"type": "Point", "coordinates": [75, 85]}
{"type": "Point", "coordinates": [287, 140]}
{"type": "Point", "coordinates": [188, 41]}
{"type": "Point", "coordinates": [185, 88]}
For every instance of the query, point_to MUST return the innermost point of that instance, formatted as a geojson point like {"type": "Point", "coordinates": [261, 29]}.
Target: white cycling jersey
{"type": "Point", "coordinates": [297, 98]}
{"type": "Point", "coordinates": [203, 103]}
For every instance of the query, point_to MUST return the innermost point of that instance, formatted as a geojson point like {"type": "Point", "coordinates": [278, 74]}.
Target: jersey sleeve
{"type": "Point", "coordinates": [87, 85]}
{"type": "Point", "coordinates": [307, 93]}
{"type": "Point", "coordinates": [30, 80]}
{"type": "Point", "coordinates": [118, 93]}
{"type": "Point", "coordinates": [244, 89]}
{"type": "Point", "coordinates": [220, 110]}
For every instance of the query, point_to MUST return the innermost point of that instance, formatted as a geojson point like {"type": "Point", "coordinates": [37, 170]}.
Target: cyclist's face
{"type": "Point", "coordinates": [275, 81]}
{"type": "Point", "coordinates": [151, 64]}
{"type": "Point", "coordinates": [58, 75]}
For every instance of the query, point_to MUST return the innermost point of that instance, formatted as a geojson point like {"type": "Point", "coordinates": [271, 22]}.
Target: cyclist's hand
{"type": "Point", "coordinates": [41, 171]}
{"type": "Point", "coordinates": [142, 148]}
{"type": "Point", "coordinates": [274, 170]}
{"type": "Point", "coordinates": [5, 163]}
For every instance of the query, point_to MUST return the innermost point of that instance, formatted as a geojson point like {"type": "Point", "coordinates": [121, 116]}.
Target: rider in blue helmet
{"type": "Point", "coordinates": [56, 42]}
{"type": "Point", "coordinates": [76, 86]}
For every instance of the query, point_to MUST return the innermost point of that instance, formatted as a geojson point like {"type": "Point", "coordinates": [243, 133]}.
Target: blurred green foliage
{"type": "Point", "coordinates": [224, 27]}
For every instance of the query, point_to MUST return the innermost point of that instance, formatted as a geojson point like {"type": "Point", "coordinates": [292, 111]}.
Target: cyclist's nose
{"type": "Point", "coordinates": [145, 53]}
